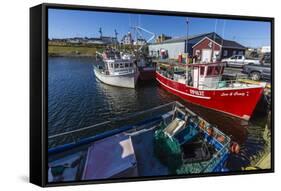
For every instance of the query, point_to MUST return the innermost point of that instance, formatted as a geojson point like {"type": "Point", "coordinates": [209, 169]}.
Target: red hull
{"type": "Point", "coordinates": [146, 75]}
{"type": "Point", "coordinates": [236, 102]}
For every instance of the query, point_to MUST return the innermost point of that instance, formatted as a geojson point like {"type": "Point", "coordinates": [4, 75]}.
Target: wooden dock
{"type": "Point", "coordinates": [264, 162]}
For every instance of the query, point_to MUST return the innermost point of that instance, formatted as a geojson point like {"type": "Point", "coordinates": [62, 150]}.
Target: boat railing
{"type": "Point", "coordinates": [217, 158]}
{"type": "Point", "coordinates": [218, 84]}
{"type": "Point", "coordinates": [220, 154]}
{"type": "Point", "coordinates": [224, 84]}
{"type": "Point", "coordinates": [217, 138]}
{"type": "Point", "coordinates": [114, 123]}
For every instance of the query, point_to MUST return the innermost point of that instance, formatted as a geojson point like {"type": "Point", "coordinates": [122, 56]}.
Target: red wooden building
{"type": "Point", "coordinates": [207, 48]}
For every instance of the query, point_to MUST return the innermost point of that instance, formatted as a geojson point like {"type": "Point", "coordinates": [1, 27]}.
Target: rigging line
{"type": "Point", "coordinates": [139, 20]}
{"type": "Point", "coordinates": [130, 20]}
{"type": "Point", "coordinates": [223, 28]}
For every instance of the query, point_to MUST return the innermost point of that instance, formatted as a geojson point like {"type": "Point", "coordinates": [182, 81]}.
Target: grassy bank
{"type": "Point", "coordinates": [54, 50]}
{"type": "Point", "coordinates": [66, 49]}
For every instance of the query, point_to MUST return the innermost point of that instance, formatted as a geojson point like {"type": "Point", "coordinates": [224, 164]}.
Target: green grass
{"type": "Point", "coordinates": [54, 50]}
{"type": "Point", "coordinates": [64, 49]}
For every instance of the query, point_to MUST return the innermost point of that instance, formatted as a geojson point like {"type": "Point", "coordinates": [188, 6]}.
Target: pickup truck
{"type": "Point", "coordinates": [259, 71]}
{"type": "Point", "coordinates": [239, 61]}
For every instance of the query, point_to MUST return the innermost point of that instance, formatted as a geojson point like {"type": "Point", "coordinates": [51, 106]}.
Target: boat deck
{"type": "Point", "coordinates": [133, 153]}
{"type": "Point", "coordinates": [148, 164]}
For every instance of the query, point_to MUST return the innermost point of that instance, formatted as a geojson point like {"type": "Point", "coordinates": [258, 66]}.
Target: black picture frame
{"type": "Point", "coordinates": [38, 90]}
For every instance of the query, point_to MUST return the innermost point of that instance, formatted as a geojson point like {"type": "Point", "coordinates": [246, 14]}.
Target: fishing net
{"type": "Point", "coordinates": [167, 150]}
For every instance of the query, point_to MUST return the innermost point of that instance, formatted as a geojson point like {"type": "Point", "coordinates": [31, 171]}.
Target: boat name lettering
{"type": "Point", "coordinates": [196, 92]}
{"type": "Point", "coordinates": [235, 94]}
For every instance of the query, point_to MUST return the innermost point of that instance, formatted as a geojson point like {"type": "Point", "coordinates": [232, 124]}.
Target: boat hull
{"type": "Point", "coordinates": [126, 81]}
{"type": "Point", "coordinates": [236, 102]}
{"type": "Point", "coordinates": [146, 74]}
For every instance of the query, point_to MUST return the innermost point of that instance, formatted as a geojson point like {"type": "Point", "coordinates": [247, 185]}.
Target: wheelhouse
{"type": "Point", "coordinates": [201, 76]}
{"type": "Point", "coordinates": [207, 75]}
{"type": "Point", "coordinates": [119, 67]}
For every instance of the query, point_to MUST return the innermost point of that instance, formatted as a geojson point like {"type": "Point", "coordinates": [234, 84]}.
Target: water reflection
{"type": "Point", "coordinates": [77, 99]}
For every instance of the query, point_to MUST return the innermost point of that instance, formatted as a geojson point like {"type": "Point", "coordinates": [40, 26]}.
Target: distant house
{"type": "Point", "coordinates": [95, 41]}
{"type": "Point", "coordinates": [109, 40]}
{"type": "Point", "coordinates": [75, 40]}
{"type": "Point", "coordinates": [265, 49]}
{"type": "Point", "coordinates": [103, 40]}
{"type": "Point", "coordinates": [203, 45]}
{"type": "Point", "coordinates": [127, 39]}
{"type": "Point", "coordinates": [140, 41]}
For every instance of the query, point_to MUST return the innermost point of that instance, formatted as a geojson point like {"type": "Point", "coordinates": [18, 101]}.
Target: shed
{"type": "Point", "coordinates": [208, 48]}
{"type": "Point", "coordinates": [224, 48]}
{"type": "Point", "coordinates": [178, 45]}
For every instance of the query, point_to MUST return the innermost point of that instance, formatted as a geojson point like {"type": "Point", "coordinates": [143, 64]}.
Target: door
{"type": "Point", "coordinates": [239, 61]}
{"type": "Point", "coordinates": [206, 55]}
{"type": "Point", "coordinates": [266, 71]}
{"type": "Point", "coordinates": [232, 61]}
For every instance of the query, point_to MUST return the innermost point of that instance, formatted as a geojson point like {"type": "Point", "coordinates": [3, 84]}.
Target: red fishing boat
{"type": "Point", "coordinates": [202, 84]}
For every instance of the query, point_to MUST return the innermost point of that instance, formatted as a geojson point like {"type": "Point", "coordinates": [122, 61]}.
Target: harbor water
{"type": "Point", "coordinates": [76, 99]}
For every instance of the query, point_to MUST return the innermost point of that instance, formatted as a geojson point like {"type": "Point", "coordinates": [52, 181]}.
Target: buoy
{"type": "Point", "coordinates": [202, 124]}
{"type": "Point", "coordinates": [250, 168]}
{"type": "Point", "coordinates": [210, 131]}
{"type": "Point", "coordinates": [220, 138]}
{"type": "Point", "coordinates": [235, 148]}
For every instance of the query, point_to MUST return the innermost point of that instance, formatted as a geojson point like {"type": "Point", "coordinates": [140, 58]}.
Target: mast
{"type": "Point", "coordinates": [100, 31]}
{"type": "Point", "coordinates": [222, 38]}
{"type": "Point", "coordinates": [138, 29]}
{"type": "Point", "coordinates": [214, 38]}
{"type": "Point", "coordinates": [186, 46]}
{"type": "Point", "coordinates": [116, 34]}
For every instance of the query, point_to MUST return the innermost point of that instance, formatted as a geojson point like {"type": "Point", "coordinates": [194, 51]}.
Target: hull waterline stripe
{"type": "Point", "coordinates": [181, 91]}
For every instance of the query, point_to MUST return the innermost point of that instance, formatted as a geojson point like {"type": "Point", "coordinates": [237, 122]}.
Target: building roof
{"type": "Point", "coordinates": [211, 35]}
{"type": "Point", "coordinates": [183, 38]}
{"type": "Point", "coordinates": [232, 44]}
{"type": "Point", "coordinates": [226, 43]}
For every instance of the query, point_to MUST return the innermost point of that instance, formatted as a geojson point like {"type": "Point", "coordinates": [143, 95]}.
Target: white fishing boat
{"type": "Point", "coordinates": [116, 70]}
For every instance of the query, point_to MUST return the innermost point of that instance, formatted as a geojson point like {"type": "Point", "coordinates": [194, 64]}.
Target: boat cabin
{"type": "Point", "coordinates": [119, 67]}
{"type": "Point", "coordinates": [207, 76]}
{"type": "Point", "coordinates": [115, 64]}
{"type": "Point", "coordinates": [201, 76]}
